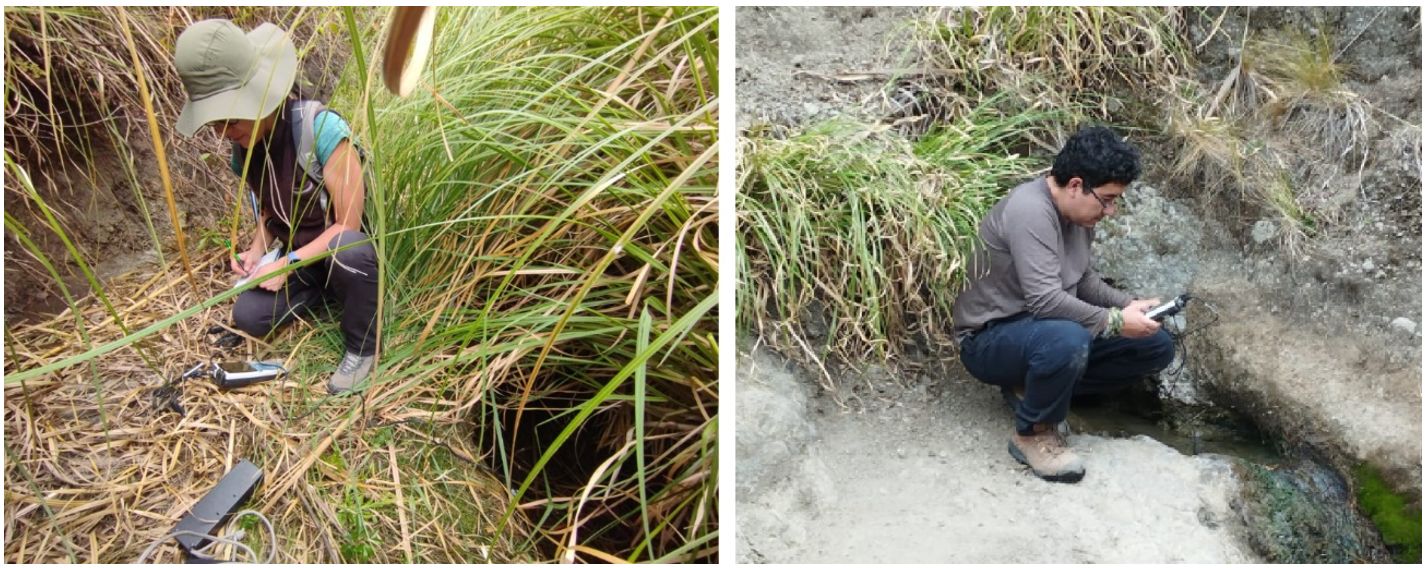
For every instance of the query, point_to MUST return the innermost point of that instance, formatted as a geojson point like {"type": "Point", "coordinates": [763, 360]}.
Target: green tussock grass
{"type": "Point", "coordinates": [1055, 57]}
{"type": "Point", "coordinates": [870, 227]}
{"type": "Point", "coordinates": [549, 226]}
{"type": "Point", "coordinates": [1399, 522]}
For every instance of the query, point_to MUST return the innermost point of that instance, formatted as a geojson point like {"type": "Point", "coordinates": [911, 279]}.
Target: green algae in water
{"type": "Point", "coordinates": [1399, 523]}
{"type": "Point", "coordinates": [1302, 514]}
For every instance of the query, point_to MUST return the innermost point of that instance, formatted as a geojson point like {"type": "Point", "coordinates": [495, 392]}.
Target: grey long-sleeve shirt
{"type": "Point", "coordinates": [1032, 260]}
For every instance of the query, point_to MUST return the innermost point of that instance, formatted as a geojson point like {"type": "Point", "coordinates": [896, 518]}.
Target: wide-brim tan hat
{"type": "Point", "coordinates": [231, 75]}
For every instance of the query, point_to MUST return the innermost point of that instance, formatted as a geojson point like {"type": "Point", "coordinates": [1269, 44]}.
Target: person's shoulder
{"type": "Point", "coordinates": [329, 119]}
{"type": "Point", "coordinates": [1031, 198]}
{"type": "Point", "coordinates": [330, 130]}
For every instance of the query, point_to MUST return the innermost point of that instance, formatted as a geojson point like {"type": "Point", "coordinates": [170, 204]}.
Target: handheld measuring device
{"type": "Point", "coordinates": [1169, 308]}
{"type": "Point", "coordinates": [226, 376]}
{"type": "Point", "coordinates": [232, 375]}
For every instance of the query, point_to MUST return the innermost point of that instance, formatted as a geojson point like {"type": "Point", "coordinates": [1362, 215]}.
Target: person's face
{"type": "Point", "coordinates": [236, 130]}
{"type": "Point", "coordinates": [1087, 209]}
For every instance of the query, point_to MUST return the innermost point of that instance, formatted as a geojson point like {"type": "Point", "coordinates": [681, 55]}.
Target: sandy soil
{"type": "Point", "coordinates": [925, 477]}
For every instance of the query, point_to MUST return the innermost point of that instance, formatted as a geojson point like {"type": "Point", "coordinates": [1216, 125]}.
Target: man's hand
{"type": "Point", "coordinates": [1137, 324]}
{"type": "Point", "coordinates": [1144, 305]}
{"type": "Point", "coordinates": [275, 283]}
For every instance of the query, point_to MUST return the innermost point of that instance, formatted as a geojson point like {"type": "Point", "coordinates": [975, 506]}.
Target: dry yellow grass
{"type": "Point", "coordinates": [95, 473]}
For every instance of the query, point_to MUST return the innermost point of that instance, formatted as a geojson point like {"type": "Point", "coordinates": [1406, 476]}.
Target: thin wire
{"type": "Point", "coordinates": [1181, 346]}
{"type": "Point", "coordinates": [216, 540]}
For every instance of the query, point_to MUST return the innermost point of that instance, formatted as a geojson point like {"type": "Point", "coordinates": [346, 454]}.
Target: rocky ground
{"type": "Point", "coordinates": [922, 474]}
{"type": "Point", "coordinates": [789, 60]}
{"type": "Point", "coordinates": [1281, 345]}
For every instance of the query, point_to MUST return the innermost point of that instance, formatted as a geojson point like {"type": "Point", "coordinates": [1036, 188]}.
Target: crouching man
{"type": "Point", "coordinates": [1037, 319]}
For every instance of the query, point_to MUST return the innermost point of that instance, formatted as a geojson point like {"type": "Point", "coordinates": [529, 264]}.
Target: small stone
{"type": "Point", "coordinates": [811, 108]}
{"type": "Point", "coordinates": [1405, 325]}
{"type": "Point", "coordinates": [1368, 265]}
{"type": "Point", "coordinates": [1263, 230]}
{"type": "Point", "coordinates": [797, 61]}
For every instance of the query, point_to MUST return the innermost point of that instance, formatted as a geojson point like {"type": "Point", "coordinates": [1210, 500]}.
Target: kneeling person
{"type": "Point", "coordinates": [304, 177]}
{"type": "Point", "coordinates": [1037, 317]}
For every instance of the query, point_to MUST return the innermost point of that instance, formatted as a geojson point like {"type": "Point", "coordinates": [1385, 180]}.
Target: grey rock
{"type": "Point", "coordinates": [1264, 230]}
{"type": "Point", "coordinates": [1404, 325]}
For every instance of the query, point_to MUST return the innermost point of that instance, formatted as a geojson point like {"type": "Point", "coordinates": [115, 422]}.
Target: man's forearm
{"type": "Point", "coordinates": [1093, 290]}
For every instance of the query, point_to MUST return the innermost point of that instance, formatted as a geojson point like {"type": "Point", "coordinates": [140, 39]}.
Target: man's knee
{"type": "Point", "coordinates": [1160, 349]}
{"type": "Point", "coordinates": [1062, 343]}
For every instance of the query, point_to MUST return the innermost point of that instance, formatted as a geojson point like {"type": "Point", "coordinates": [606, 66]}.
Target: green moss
{"type": "Point", "coordinates": [1399, 523]}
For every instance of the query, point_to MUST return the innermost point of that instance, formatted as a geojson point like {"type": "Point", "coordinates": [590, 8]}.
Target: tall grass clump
{"type": "Point", "coordinates": [544, 207]}
{"type": "Point", "coordinates": [549, 226]}
{"type": "Point", "coordinates": [1280, 132]}
{"type": "Point", "coordinates": [854, 239]}
{"type": "Point", "coordinates": [1097, 59]}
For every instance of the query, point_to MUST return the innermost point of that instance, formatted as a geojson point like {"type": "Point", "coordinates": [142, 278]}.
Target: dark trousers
{"type": "Point", "coordinates": [349, 275]}
{"type": "Point", "coordinates": [1055, 359]}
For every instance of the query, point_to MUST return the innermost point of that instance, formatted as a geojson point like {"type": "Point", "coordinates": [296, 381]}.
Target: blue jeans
{"type": "Point", "coordinates": [1056, 359]}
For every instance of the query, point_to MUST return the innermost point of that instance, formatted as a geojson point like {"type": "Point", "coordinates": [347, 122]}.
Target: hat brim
{"type": "Point", "coordinates": [260, 96]}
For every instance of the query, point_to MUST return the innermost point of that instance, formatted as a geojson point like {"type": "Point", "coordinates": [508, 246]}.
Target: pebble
{"type": "Point", "coordinates": [1368, 265]}
{"type": "Point", "coordinates": [811, 108]}
{"type": "Point", "coordinates": [1263, 230]}
{"type": "Point", "coordinates": [1405, 325]}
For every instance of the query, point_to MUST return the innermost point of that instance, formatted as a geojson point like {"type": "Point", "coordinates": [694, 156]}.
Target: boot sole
{"type": "Point", "coordinates": [1070, 477]}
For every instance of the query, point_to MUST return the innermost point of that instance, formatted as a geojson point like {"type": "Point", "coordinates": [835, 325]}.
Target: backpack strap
{"type": "Point", "coordinates": [302, 115]}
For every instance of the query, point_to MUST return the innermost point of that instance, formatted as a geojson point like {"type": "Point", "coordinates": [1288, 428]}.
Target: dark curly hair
{"type": "Point", "coordinates": [1097, 156]}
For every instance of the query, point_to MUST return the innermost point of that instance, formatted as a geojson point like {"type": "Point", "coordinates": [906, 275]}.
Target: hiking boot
{"type": "Point", "coordinates": [1047, 454]}
{"type": "Point", "coordinates": [1013, 397]}
{"type": "Point", "coordinates": [351, 371]}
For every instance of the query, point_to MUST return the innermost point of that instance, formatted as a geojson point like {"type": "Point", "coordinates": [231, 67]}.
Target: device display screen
{"type": "Point", "coordinates": [230, 367]}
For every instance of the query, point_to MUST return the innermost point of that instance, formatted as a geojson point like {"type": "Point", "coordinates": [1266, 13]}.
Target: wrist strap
{"type": "Point", "coordinates": [292, 258]}
{"type": "Point", "coordinates": [1114, 323]}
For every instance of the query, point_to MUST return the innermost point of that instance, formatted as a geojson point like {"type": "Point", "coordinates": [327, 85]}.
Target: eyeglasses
{"type": "Point", "coordinates": [1105, 204]}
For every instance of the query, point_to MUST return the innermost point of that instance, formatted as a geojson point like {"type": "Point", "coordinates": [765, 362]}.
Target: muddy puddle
{"type": "Point", "coordinates": [1240, 440]}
